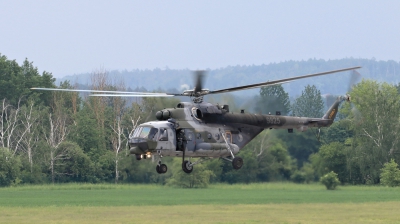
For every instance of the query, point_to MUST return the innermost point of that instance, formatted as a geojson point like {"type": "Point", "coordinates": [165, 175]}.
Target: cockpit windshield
{"type": "Point", "coordinates": [136, 132]}
{"type": "Point", "coordinates": [145, 132]}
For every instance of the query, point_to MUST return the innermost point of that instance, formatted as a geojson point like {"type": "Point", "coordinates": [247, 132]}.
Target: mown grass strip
{"type": "Point", "coordinates": [383, 212]}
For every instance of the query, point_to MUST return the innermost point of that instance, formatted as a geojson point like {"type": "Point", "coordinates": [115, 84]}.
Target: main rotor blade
{"type": "Point", "coordinates": [280, 81]}
{"type": "Point", "coordinates": [199, 81]}
{"type": "Point", "coordinates": [133, 95]}
{"type": "Point", "coordinates": [97, 91]}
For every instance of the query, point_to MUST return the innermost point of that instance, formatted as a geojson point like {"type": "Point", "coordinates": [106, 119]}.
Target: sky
{"type": "Point", "coordinates": [72, 37]}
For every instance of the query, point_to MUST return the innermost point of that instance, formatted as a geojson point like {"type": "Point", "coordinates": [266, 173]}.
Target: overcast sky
{"type": "Point", "coordinates": [70, 37]}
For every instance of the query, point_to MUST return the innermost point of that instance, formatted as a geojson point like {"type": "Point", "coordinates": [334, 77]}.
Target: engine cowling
{"type": "Point", "coordinates": [163, 115]}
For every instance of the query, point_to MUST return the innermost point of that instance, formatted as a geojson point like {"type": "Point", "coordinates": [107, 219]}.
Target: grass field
{"type": "Point", "coordinates": [255, 203]}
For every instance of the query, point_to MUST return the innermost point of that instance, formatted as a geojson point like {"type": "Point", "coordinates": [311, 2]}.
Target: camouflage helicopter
{"type": "Point", "coordinates": [203, 130]}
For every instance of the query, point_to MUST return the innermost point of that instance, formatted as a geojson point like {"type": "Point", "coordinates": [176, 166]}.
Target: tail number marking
{"type": "Point", "coordinates": [273, 120]}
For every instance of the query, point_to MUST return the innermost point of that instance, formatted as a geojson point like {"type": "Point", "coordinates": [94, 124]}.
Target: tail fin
{"type": "Point", "coordinates": [332, 112]}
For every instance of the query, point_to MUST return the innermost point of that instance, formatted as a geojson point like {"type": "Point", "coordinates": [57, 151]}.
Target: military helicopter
{"type": "Point", "coordinates": [202, 130]}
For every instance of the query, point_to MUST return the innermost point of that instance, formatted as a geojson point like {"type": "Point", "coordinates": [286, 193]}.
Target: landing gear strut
{"type": "Point", "coordinates": [237, 162]}
{"type": "Point", "coordinates": [187, 166]}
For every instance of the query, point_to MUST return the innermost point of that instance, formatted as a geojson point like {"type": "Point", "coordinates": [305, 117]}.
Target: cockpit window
{"type": "Point", "coordinates": [146, 132]}
{"type": "Point", "coordinates": [153, 133]}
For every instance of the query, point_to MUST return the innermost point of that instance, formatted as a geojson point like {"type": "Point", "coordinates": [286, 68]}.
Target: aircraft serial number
{"type": "Point", "coordinates": [273, 120]}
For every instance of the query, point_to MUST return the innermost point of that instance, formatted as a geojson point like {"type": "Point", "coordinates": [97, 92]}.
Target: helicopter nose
{"type": "Point", "coordinates": [138, 146]}
{"type": "Point", "coordinates": [135, 150]}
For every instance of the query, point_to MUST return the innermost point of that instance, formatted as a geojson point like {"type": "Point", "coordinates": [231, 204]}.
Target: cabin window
{"type": "Point", "coordinates": [209, 136]}
{"type": "Point", "coordinates": [163, 134]}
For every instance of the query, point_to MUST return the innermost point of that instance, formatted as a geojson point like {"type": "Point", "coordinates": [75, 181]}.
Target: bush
{"type": "Point", "coordinates": [330, 180]}
{"type": "Point", "coordinates": [298, 177]}
{"type": "Point", "coordinates": [390, 174]}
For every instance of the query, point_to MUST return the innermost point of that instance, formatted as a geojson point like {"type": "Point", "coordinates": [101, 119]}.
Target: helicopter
{"type": "Point", "coordinates": [203, 130]}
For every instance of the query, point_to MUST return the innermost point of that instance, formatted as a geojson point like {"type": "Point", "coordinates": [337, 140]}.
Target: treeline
{"type": "Point", "coordinates": [59, 137]}
{"type": "Point", "coordinates": [174, 80]}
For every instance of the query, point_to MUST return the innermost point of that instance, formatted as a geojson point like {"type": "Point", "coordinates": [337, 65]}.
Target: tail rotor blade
{"type": "Point", "coordinates": [354, 78]}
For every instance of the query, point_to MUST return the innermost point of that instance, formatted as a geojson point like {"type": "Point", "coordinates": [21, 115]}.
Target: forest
{"type": "Point", "coordinates": [60, 137]}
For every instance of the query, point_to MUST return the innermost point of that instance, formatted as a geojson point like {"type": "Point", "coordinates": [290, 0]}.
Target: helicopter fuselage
{"type": "Point", "coordinates": [207, 130]}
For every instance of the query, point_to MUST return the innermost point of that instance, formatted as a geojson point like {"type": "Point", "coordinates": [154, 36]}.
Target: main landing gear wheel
{"type": "Point", "coordinates": [187, 166]}
{"type": "Point", "coordinates": [162, 168]}
{"type": "Point", "coordinates": [237, 163]}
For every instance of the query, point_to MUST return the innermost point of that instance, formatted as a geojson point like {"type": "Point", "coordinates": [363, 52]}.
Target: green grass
{"type": "Point", "coordinates": [221, 194]}
{"type": "Point", "coordinates": [221, 203]}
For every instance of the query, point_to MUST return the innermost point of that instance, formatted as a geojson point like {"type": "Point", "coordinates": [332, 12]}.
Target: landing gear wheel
{"type": "Point", "coordinates": [163, 168]}
{"type": "Point", "coordinates": [187, 166]}
{"type": "Point", "coordinates": [158, 169]}
{"type": "Point", "coordinates": [237, 163]}
{"type": "Point", "coordinates": [138, 157]}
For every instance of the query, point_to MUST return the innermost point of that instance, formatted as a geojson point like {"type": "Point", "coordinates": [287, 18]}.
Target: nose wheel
{"type": "Point", "coordinates": [161, 168]}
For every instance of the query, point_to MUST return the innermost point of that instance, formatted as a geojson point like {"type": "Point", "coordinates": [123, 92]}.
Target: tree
{"type": "Point", "coordinates": [273, 98]}
{"type": "Point", "coordinates": [10, 167]}
{"type": "Point", "coordinates": [376, 126]}
{"type": "Point", "coordinates": [71, 101]}
{"type": "Point", "coordinates": [279, 162]}
{"type": "Point", "coordinates": [16, 81]}
{"type": "Point", "coordinates": [54, 137]}
{"type": "Point", "coordinates": [266, 159]}
{"type": "Point", "coordinates": [300, 145]}
{"type": "Point", "coordinates": [309, 104]}
{"type": "Point", "coordinates": [339, 131]}
{"type": "Point", "coordinates": [8, 126]}
{"type": "Point", "coordinates": [29, 131]}
{"type": "Point", "coordinates": [118, 136]}
{"type": "Point", "coordinates": [72, 164]}
{"type": "Point", "coordinates": [98, 105]}
{"type": "Point", "coordinates": [390, 174]}
{"type": "Point", "coordinates": [331, 157]}
{"type": "Point", "coordinates": [305, 174]}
